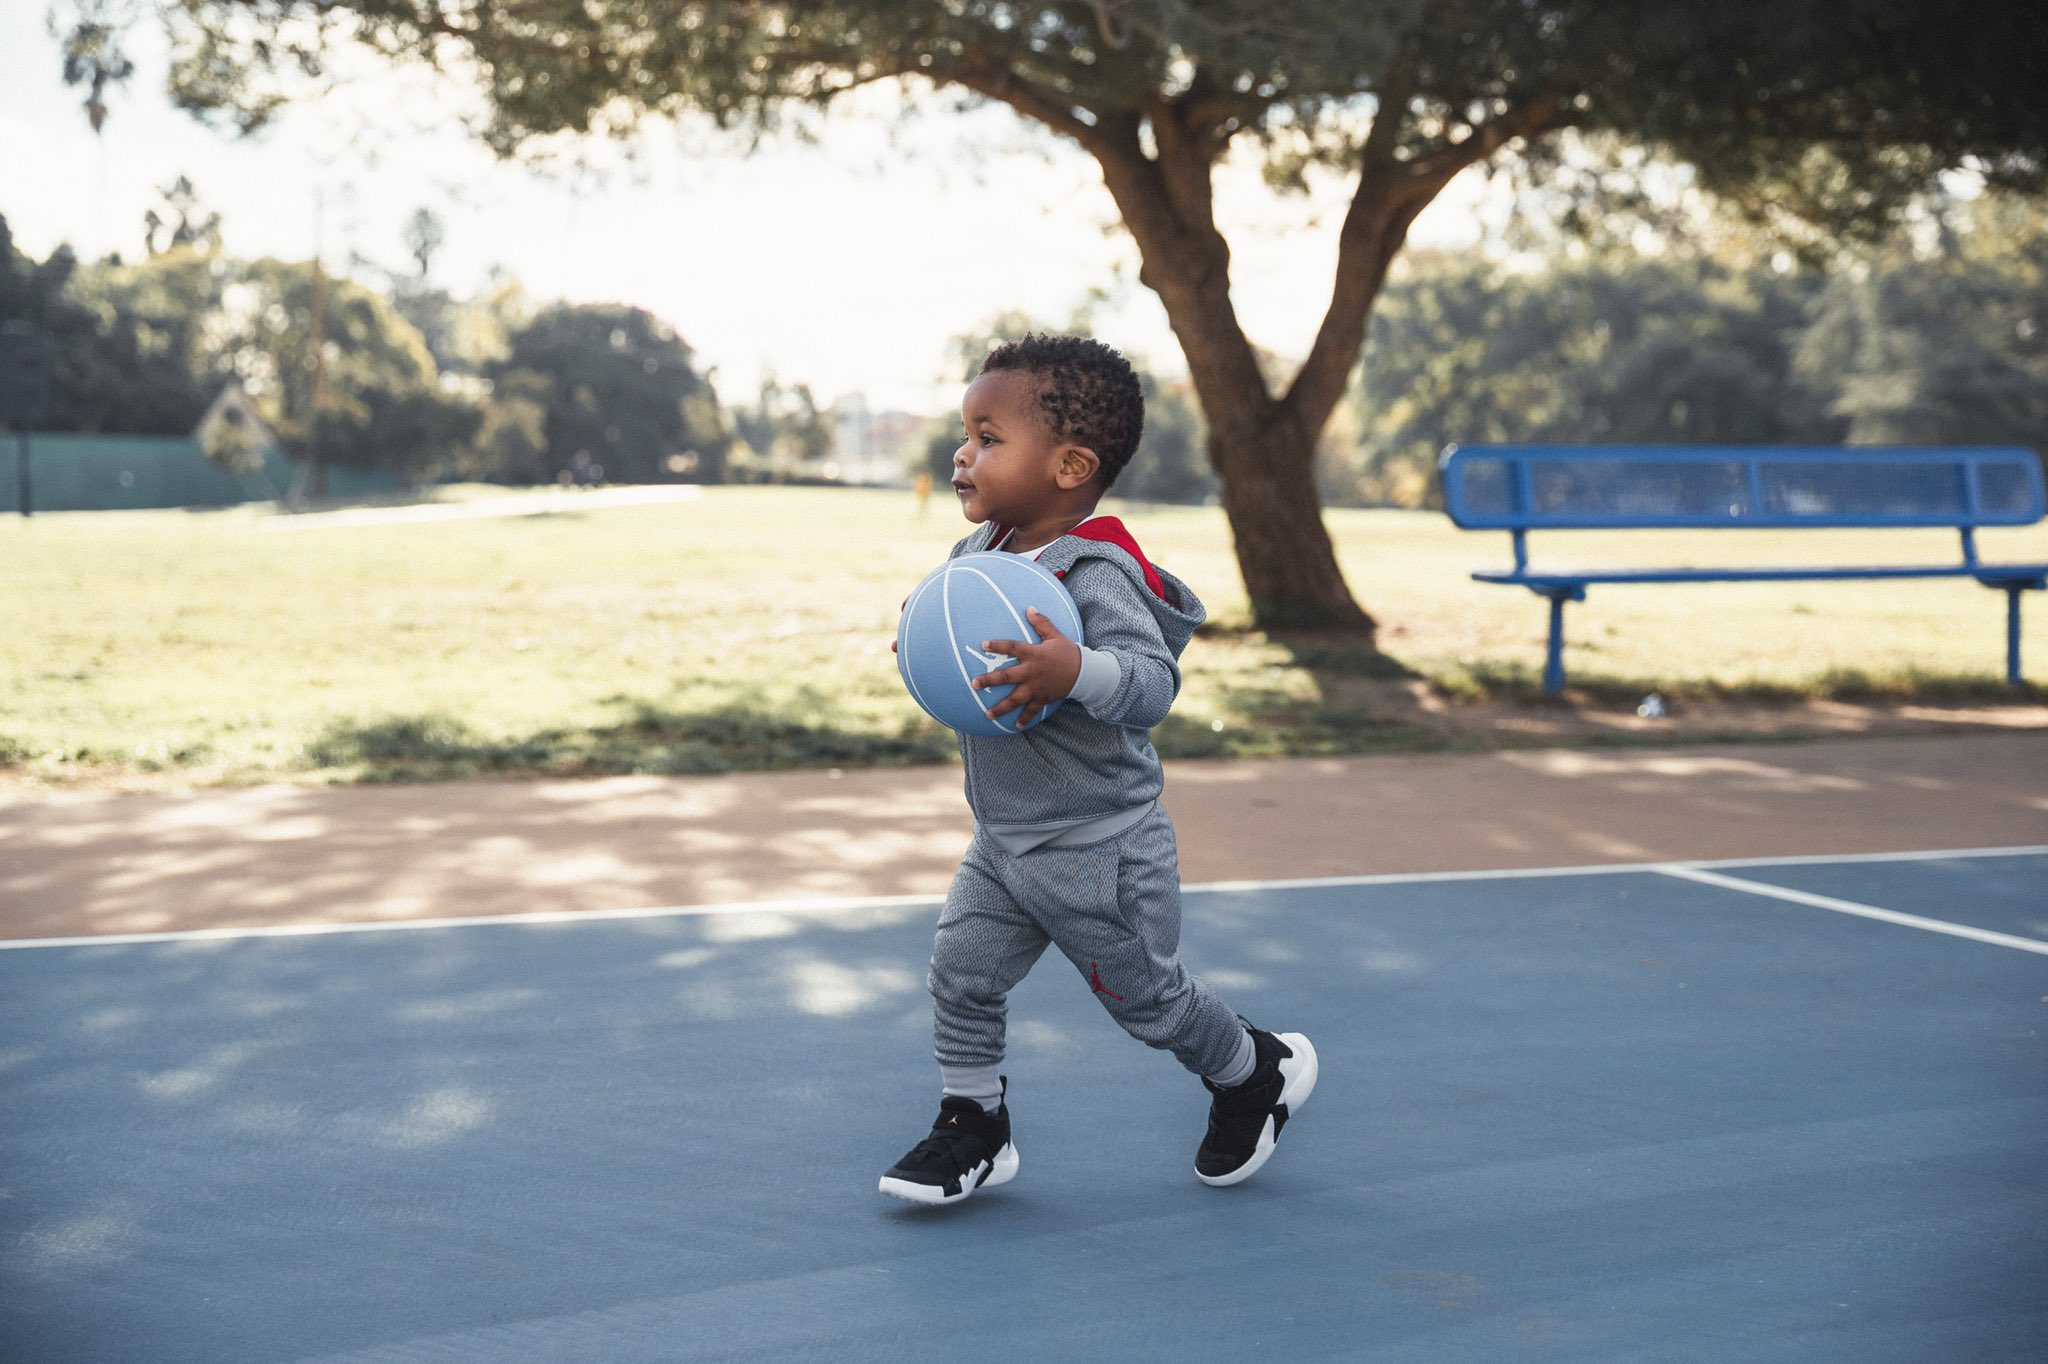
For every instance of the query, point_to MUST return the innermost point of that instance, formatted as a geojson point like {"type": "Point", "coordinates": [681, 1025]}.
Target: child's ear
{"type": "Point", "coordinates": [1078, 466]}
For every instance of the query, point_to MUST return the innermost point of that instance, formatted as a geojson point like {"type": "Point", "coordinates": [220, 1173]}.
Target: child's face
{"type": "Point", "coordinates": [1008, 470]}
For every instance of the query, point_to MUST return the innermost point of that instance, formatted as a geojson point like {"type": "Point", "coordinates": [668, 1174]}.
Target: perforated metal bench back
{"type": "Point", "coordinates": [1516, 487]}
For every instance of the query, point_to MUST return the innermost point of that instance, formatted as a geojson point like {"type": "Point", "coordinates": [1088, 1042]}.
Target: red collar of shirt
{"type": "Point", "coordinates": [1106, 530]}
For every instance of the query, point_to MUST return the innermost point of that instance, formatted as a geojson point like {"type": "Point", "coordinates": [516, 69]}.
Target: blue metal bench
{"type": "Point", "coordinates": [1520, 488]}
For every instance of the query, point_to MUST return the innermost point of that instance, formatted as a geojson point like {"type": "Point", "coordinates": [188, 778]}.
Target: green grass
{"type": "Point", "coordinates": [751, 628]}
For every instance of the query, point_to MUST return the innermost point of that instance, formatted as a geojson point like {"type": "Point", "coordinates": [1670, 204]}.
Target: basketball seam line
{"type": "Point", "coordinates": [953, 635]}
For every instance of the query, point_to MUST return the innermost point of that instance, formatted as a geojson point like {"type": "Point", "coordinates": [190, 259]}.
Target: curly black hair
{"type": "Point", "coordinates": [1088, 392]}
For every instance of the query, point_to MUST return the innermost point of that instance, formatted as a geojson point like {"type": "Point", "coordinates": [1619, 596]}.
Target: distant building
{"type": "Point", "coordinates": [231, 434]}
{"type": "Point", "coordinates": [875, 448]}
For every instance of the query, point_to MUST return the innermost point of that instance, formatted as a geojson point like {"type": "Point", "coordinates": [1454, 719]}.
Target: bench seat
{"type": "Point", "coordinates": [1991, 575]}
{"type": "Point", "coordinates": [1520, 488]}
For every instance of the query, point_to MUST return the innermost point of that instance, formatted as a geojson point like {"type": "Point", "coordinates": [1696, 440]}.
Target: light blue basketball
{"type": "Point", "coordinates": [961, 603]}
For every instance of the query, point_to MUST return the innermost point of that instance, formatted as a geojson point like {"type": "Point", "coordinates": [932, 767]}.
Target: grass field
{"type": "Point", "coordinates": [750, 628]}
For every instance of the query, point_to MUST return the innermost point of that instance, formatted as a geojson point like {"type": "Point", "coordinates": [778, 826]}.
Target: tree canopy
{"type": "Point", "coordinates": [619, 391]}
{"type": "Point", "coordinates": [1938, 334]}
{"type": "Point", "coordinates": [1942, 345]}
{"type": "Point", "coordinates": [123, 352]}
{"type": "Point", "coordinates": [1612, 349]}
{"type": "Point", "coordinates": [1824, 117]}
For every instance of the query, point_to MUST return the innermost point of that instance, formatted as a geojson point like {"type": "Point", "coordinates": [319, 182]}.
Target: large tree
{"type": "Point", "coordinates": [374, 402]}
{"type": "Point", "coordinates": [620, 390]}
{"type": "Point", "coordinates": [1825, 112]}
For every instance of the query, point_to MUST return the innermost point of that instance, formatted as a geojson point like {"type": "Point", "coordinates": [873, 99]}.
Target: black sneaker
{"type": "Point", "coordinates": [1245, 1121]}
{"type": "Point", "coordinates": [967, 1150]}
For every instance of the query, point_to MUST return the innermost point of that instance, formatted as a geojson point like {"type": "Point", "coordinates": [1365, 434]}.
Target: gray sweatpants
{"type": "Point", "coordinates": [1113, 909]}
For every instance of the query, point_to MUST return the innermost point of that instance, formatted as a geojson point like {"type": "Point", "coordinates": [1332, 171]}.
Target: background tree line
{"type": "Point", "coordinates": [407, 379]}
{"type": "Point", "coordinates": [1823, 123]}
{"type": "Point", "coordinates": [429, 386]}
{"type": "Point", "coordinates": [1689, 334]}
{"type": "Point", "coordinates": [1688, 330]}
{"type": "Point", "coordinates": [1932, 336]}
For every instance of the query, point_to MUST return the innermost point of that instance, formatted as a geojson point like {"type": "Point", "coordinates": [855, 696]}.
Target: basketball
{"type": "Point", "coordinates": [960, 604]}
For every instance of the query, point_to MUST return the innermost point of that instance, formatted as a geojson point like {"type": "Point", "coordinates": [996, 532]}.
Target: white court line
{"type": "Point", "coordinates": [828, 905]}
{"type": "Point", "coordinates": [1403, 878]}
{"type": "Point", "coordinates": [1861, 911]}
{"type": "Point", "coordinates": [1811, 858]}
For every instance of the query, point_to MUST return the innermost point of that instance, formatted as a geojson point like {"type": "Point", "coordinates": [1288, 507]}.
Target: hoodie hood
{"type": "Point", "coordinates": [1172, 602]}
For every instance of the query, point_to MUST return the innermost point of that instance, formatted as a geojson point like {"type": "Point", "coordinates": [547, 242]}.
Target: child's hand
{"type": "Point", "coordinates": [1043, 673]}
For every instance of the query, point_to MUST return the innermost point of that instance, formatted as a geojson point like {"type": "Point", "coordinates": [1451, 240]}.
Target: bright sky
{"type": "Point", "coordinates": [845, 264]}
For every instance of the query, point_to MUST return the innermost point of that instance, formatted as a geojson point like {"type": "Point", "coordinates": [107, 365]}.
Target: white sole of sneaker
{"type": "Point", "coordinates": [1001, 1171]}
{"type": "Point", "coordinates": [1297, 1082]}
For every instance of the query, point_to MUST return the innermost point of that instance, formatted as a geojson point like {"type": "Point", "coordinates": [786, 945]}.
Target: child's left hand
{"type": "Point", "coordinates": [1043, 673]}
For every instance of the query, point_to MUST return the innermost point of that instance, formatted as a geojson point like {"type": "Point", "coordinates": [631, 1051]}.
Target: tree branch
{"type": "Point", "coordinates": [1426, 176]}
{"type": "Point", "coordinates": [1390, 195]}
{"type": "Point", "coordinates": [1186, 157]}
{"type": "Point", "coordinates": [1166, 202]}
{"type": "Point", "coordinates": [997, 81]}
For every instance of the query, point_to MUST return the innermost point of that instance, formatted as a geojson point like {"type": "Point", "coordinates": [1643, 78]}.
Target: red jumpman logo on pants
{"type": "Point", "coordinates": [1095, 983]}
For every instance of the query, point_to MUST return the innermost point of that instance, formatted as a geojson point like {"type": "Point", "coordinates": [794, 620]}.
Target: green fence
{"type": "Point", "coordinates": [109, 473]}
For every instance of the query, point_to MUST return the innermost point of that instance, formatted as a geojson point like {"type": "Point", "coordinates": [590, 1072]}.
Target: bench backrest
{"type": "Point", "coordinates": [1589, 487]}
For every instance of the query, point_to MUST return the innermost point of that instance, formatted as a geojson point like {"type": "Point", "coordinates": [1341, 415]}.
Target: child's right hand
{"type": "Point", "coordinates": [1043, 673]}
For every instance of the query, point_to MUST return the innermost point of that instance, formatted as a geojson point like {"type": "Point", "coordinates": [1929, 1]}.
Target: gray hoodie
{"type": "Point", "coordinates": [1080, 774]}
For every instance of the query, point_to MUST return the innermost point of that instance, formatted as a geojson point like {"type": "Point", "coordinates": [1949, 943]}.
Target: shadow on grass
{"type": "Point", "coordinates": [1519, 684]}
{"type": "Point", "coordinates": [650, 739]}
{"type": "Point", "coordinates": [1260, 707]}
{"type": "Point", "coordinates": [1257, 696]}
{"type": "Point", "coordinates": [1324, 695]}
{"type": "Point", "coordinates": [1305, 696]}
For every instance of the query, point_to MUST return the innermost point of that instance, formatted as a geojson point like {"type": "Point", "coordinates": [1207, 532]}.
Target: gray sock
{"type": "Point", "coordinates": [1241, 1065]}
{"type": "Point", "coordinates": [979, 1083]}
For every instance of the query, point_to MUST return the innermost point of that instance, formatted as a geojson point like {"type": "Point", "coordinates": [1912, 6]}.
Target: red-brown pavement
{"type": "Point", "coordinates": [92, 863]}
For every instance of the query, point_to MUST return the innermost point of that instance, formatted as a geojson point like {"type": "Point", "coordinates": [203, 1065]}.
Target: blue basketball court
{"type": "Point", "coordinates": [1791, 1110]}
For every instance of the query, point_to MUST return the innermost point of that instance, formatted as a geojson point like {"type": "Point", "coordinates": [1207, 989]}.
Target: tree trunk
{"type": "Point", "coordinates": [1263, 447]}
{"type": "Point", "coordinates": [1266, 464]}
{"type": "Point", "coordinates": [1265, 460]}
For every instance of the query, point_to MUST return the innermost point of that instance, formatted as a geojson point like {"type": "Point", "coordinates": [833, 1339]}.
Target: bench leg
{"type": "Point", "coordinates": [2012, 634]}
{"type": "Point", "coordinates": [1553, 658]}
